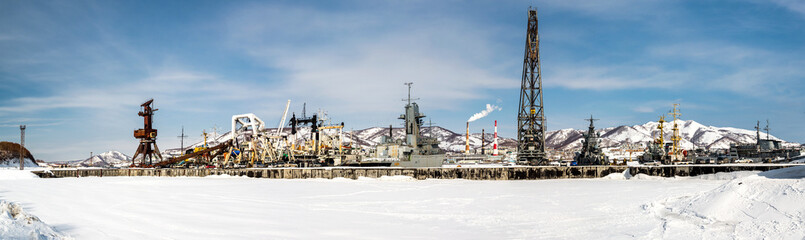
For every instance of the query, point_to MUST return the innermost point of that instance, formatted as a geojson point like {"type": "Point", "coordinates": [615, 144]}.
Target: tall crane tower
{"type": "Point", "coordinates": [530, 117]}
{"type": "Point", "coordinates": [675, 138]}
{"type": "Point", "coordinates": [147, 136]}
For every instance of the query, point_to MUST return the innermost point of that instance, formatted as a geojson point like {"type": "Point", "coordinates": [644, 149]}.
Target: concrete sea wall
{"type": "Point", "coordinates": [492, 173]}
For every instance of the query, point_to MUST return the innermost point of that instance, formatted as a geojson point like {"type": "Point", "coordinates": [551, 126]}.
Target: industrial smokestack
{"type": "Point", "coordinates": [495, 142]}
{"type": "Point", "coordinates": [467, 149]}
{"type": "Point", "coordinates": [483, 141]}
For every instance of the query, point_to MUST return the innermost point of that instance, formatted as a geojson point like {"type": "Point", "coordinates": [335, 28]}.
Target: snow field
{"type": "Point", "coordinates": [16, 174]}
{"type": "Point", "coordinates": [15, 223]}
{"type": "Point", "coordinates": [768, 205]}
{"type": "Point", "coordinates": [393, 207]}
{"type": "Point", "coordinates": [737, 205]}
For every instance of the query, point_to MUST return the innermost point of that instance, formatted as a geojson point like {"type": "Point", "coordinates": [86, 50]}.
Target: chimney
{"type": "Point", "coordinates": [483, 141]}
{"type": "Point", "coordinates": [467, 149]}
{"type": "Point", "coordinates": [495, 142]}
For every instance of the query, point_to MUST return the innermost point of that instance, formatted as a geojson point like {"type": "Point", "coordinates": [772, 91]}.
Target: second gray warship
{"type": "Point", "coordinates": [413, 151]}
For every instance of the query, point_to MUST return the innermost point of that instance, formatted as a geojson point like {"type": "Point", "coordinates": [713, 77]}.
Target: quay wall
{"type": "Point", "coordinates": [485, 173]}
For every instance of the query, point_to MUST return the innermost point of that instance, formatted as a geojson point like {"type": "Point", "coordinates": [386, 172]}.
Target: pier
{"type": "Point", "coordinates": [468, 173]}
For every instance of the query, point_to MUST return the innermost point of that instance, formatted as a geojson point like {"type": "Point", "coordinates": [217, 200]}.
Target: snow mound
{"type": "Point", "coordinates": [398, 178]}
{"type": "Point", "coordinates": [786, 173]}
{"type": "Point", "coordinates": [726, 175]}
{"type": "Point", "coordinates": [15, 223]}
{"type": "Point", "coordinates": [13, 174]}
{"type": "Point", "coordinates": [766, 205]}
{"type": "Point", "coordinates": [641, 176]}
{"type": "Point", "coordinates": [619, 176]}
{"type": "Point", "coordinates": [224, 176]}
{"type": "Point", "coordinates": [625, 175]}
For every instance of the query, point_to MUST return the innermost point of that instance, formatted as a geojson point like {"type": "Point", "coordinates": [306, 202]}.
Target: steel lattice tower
{"type": "Point", "coordinates": [530, 117]}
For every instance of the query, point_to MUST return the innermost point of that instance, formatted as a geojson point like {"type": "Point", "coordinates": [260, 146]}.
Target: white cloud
{"type": "Point", "coordinates": [664, 106]}
{"type": "Point", "coordinates": [613, 77]}
{"type": "Point", "coordinates": [612, 9]}
{"type": "Point", "coordinates": [356, 61]}
{"type": "Point", "coordinates": [797, 6]}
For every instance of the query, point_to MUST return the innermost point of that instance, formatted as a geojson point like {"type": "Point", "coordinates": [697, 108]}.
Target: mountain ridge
{"type": "Point", "coordinates": [694, 135]}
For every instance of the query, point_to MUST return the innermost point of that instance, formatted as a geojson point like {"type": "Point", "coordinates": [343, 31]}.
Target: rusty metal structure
{"type": "Point", "coordinates": [147, 136]}
{"type": "Point", "coordinates": [530, 117]}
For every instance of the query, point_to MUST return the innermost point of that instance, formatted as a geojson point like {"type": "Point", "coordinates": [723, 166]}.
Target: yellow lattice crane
{"type": "Point", "coordinates": [675, 138]}
{"type": "Point", "coordinates": [661, 140]}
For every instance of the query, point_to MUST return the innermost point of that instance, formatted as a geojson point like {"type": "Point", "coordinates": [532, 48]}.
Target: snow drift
{"type": "Point", "coordinates": [15, 223]}
{"type": "Point", "coordinates": [14, 174]}
{"type": "Point", "coordinates": [765, 205]}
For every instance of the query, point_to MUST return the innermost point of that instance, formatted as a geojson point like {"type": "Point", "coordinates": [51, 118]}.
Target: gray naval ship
{"type": "Point", "coordinates": [413, 151]}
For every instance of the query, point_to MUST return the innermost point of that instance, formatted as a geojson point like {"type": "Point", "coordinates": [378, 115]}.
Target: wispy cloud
{"type": "Point", "coordinates": [737, 68]}
{"type": "Point", "coordinates": [792, 5]}
{"type": "Point", "coordinates": [614, 77]}
{"type": "Point", "coordinates": [614, 9]}
{"type": "Point", "coordinates": [663, 106]}
{"type": "Point", "coordinates": [362, 69]}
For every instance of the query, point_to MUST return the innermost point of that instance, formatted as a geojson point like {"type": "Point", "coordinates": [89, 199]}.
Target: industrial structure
{"type": "Point", "coordinates": [677, 154]}
{"type": "Point", "coordinates": [495, 141]}
{"type": "Point", "coordinates": [22, 147]}
{"type": "Point", "coordinates": [590, 153]}
{"type": "Point", "coordinates": [414, 151]}
{"type": "Point", "coordinates": [147, 136]}
{"type": "Point", "coordinates": [530, 116]}
{"type": "Point", "coordinates": [764, 149]}
{"type": "Point", "coordinates": [655, 150]}
{"type": "Point", "coordinates": [313, 141]}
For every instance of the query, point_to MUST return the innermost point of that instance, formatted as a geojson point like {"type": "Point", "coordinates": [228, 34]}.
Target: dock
{"type": "Point", "coordinates": [468, 173]}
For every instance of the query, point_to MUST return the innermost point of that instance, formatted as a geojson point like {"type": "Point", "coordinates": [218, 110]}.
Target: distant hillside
{"type": "Point", "coordinates": [10, 155]}
{"type": "Point", "coordinates": [694, 135]}
{"type": "Point", "coordinates": [107, 159]}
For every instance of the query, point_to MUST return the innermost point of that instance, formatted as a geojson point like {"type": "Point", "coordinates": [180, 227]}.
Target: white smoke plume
{"type": "Point", "coordinates": [489, 108]}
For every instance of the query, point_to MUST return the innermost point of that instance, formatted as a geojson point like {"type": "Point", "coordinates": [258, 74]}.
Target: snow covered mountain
{"type": "Point", "coordinates": [449, 140]}
{"type": "Point", "coordinates": [370, 137]}
{"type": "Point", "coordinates": [694, 135]}
{"type": "Point", "coordinates": [107, 159]}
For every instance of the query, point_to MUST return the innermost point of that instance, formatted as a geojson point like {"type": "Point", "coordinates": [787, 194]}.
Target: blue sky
{"type": "Point", "coordinates": [76, 71]}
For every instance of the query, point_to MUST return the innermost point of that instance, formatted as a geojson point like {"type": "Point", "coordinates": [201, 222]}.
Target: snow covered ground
{"type": "Point", "coordinates": [621, 206]}
{"type": "Point", "coordinates": [15, 223]}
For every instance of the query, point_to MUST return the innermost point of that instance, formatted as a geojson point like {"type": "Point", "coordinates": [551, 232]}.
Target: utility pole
{"type": "Point", "coordinates": [181, 142]}
{"type": "Point", "coordinates": [22, 147]}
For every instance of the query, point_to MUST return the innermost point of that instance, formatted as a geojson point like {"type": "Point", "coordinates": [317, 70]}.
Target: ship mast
{"type": "Point", "coordinates": [675, 138]}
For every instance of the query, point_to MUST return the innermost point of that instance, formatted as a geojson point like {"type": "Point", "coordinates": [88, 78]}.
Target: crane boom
{"type": "Point", "coordinates": [284, 115]}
